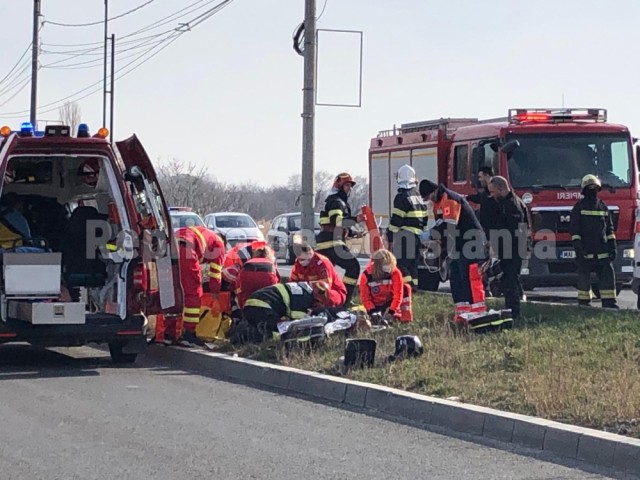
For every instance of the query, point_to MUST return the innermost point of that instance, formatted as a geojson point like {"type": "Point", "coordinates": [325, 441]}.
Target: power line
{"type": "Point", "coordinates": [100, 22]}
{"type": "Point", "coordinates": [16, 64]}
{"type": "Point", "coordinates": [169, 39]}
{"type": "Point", "coordinates": [322, 12]}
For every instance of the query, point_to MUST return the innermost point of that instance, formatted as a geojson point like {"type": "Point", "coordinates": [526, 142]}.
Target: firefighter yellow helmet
{"type": "Point", "coordinates": [590, 180]}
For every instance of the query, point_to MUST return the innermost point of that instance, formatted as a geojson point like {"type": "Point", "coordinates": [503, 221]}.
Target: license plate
{"type": "Point", "coordinates": [567, 254]}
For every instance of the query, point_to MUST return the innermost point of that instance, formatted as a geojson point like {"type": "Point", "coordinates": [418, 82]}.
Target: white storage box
{"type": "Point", "coordinates": [32, 274]}
{"type": "Point", "coordinates": [47, 313]}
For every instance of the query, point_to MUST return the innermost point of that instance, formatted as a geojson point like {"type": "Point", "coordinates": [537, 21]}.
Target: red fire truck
{"type": "Point", "coordinates": [544, 153]}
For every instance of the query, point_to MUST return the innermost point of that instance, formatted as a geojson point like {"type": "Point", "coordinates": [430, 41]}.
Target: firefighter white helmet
{"type": "Point", "coordinates": [406, 174]}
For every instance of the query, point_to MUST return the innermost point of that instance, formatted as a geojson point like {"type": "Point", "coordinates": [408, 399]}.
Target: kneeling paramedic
{"type": "Point", "coordinates": [258, 272]}
{"type": "Point", "coordinates": [383, 290]}
{"type": "Point", "coordinates": [197, 245]}
{"type": "Point", "coordinates": [310, 266]}
{"type": "Point", "coordinates": [459, 228]}
{"type": "Point", "coordinates": [335, 226]}
{"type": "Point", "coordinates": [595, 244]}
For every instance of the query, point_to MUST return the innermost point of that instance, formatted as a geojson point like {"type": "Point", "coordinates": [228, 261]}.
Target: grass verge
{"type": "Point", "coordinates": [574, 365]}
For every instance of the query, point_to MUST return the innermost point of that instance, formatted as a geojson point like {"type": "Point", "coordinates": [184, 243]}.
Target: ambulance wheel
{"type": "Point", "coordinates": [119, 357]}
{"type": "Point", "coordinates": [638, 303]}
{"type": "Point", "coordinates": [290, 256]}
{"type": "Point", "coordinates": [428, 281]}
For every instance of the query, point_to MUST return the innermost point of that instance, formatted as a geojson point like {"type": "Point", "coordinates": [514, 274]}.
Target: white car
{"type": "Point", "coordinates": [235, 227]}
{"type": "Point", "coordinates": [183, 217]}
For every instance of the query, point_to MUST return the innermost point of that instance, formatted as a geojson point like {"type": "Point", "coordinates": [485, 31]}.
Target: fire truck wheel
{"type": "Point", "coordinates": [118, 355]}
{"type": "Point", "coordinates": [428, 281]}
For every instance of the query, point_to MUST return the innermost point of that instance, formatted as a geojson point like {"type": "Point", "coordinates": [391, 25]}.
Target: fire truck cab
{"type": "Point", "coordinates": [544, 153]}
{"type": "Point", "coordinates": [86, 244]}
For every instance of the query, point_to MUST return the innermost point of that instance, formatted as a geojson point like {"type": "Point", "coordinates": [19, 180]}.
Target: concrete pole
{"type": "Point", "coordinates": [104, 67]}
{"type": "Point", "coordinates": [308, 117]}
{"type": "Point", "coordinates": [34, 64]}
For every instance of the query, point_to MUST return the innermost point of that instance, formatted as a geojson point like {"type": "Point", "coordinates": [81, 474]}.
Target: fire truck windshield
{"type": "Point", "coordinates": [561, 160]}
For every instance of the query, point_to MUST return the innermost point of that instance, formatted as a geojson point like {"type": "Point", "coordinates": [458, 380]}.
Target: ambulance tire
{"type": "Point", "coordinates": [638, 303]}
{"type": "Point", "coordinates": [428, 281]}
{"type": "Point", "coordinates": [118, 356]}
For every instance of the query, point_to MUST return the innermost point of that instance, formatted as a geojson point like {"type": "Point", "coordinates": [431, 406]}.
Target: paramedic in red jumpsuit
{"type": "Point", "coordinates": [197, 245]}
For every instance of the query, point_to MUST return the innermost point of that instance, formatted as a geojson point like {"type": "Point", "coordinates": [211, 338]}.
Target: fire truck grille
{"type": "Point", "coordinates": [558, 221]}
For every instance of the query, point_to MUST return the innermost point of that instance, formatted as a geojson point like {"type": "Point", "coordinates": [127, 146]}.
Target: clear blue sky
{"type": "Point", "coordinates": [228, 94]}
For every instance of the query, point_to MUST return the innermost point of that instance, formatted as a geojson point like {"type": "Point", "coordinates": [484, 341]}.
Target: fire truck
{"type": "Point", "coordinates": [544, 153]}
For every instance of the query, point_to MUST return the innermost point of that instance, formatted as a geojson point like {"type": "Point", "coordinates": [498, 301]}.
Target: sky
{"type": "Point", "coordinates": [228, 93]}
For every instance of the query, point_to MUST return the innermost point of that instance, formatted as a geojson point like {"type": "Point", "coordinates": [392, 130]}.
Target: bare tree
{"type": "Point", "coordinates": [70, 114]}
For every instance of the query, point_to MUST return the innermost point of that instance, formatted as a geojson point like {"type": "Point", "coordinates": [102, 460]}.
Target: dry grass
{"type": "Point", "coordinates": [575, 365]}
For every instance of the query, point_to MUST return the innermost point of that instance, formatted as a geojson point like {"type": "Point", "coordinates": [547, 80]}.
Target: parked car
{"type": "Point", "coordinates": [183, 217]}
{"type": "Point", "coordinates": [235, 227]}
{"type": "Point", "coordinates": [284, 232]}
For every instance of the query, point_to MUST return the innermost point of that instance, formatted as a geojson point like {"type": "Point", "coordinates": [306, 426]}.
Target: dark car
{"type": "Point", "coordinates": [284, 231]}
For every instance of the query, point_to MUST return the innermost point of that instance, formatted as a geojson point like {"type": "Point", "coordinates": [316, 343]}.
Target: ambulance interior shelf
{"type": "Point", "coordinates": [57, 197]}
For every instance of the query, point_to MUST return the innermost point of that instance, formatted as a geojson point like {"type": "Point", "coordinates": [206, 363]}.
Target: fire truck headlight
{"type": "Point", "coordinates": [628, 253]}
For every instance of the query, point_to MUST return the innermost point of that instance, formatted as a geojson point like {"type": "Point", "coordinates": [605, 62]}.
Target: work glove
{"type": "Point", "coordinates": [613, 252]}
{"type": "Point", "coordinates": [577, 246]}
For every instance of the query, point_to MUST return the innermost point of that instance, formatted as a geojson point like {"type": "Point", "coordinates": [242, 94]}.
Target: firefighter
{"type": "Point", "coordinates": [197, 245]}
{"type": "Point", "coordinates": [311, 266]}
{"type": "Point", "coordinates": [283, 301]}
{"type": "Point", "coordinates": [594, 242]}
{"type": "Point", "coordinates": [408, 218]}
{"type": "Point", "coordinates": [335, 226]}
{"type": "Point", "coordinates": [382, 287]}
{"type": "Point", "coordinates": [457, 226]}
{"type": "Point", "coordinates": [510, 222]}
{"type": "Point", "coordinates": [258, 272]}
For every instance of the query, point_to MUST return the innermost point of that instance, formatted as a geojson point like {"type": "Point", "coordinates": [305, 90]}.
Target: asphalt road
{"type": "Point", "coordinates": [627, 299]}
{"type": "Point", "coordinates": [77, 417]}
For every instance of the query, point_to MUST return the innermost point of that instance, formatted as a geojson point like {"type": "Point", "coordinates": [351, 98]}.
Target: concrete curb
{"type": "Point", "coordinates": [592, 447]}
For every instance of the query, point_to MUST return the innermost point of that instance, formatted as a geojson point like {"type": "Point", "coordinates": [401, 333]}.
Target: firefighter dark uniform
{"type": "Point", "coordinates": [335, 223]}
{"type": "Point", "coordinates": [268, 306]}
{"type": "Point", "coordinates": [320, 269]}
{"type": "Point", "coordinates": [511, 217]}
{"type": "Point", "coordinates": [595, 244]}
{"type": "Point", "coordinates": [408, 218]}
{"type": "Point", "coordinates": [455, 217]}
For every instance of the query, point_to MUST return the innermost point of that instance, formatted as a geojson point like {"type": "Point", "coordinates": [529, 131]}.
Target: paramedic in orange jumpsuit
{"type": "Point", "coordinates": [311, 266]}
{"type": "Point", "coordinates": [197, 245]}
{"type": "Point", "coordinates": [235, 258]}
{"type": "Point", "coordinates": [382, 286]}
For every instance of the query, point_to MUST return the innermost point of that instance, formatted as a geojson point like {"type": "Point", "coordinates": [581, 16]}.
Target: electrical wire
{"type": "Point", "coordinates": [16, 64]}
{"type": "Point", "coordinates": [22, 87]}
{"type": "Point", "coordinates": [322, 12]}
{"type": "Point", "coordinates": [134, 66]}
{"type": "Point", "coordinates": [100, 22]}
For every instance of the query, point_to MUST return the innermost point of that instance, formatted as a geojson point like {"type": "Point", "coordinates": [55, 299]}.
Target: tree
{"type": "Point", "coordinates": [70, 114]}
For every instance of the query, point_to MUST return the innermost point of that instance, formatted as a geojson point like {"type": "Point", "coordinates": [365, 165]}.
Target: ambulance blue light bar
{"type": "Point", "coordinates": [557, 115]}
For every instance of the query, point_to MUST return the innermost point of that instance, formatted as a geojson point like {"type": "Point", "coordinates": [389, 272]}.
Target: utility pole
{"type": "Point", "coordinates": [104, 71]}
{"type": "Point", "coordinates": [113, 78]}
{"type": "Point", "coordinates": [308, 117]}
{"type": "Point", "coordinates": [34, 63]}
